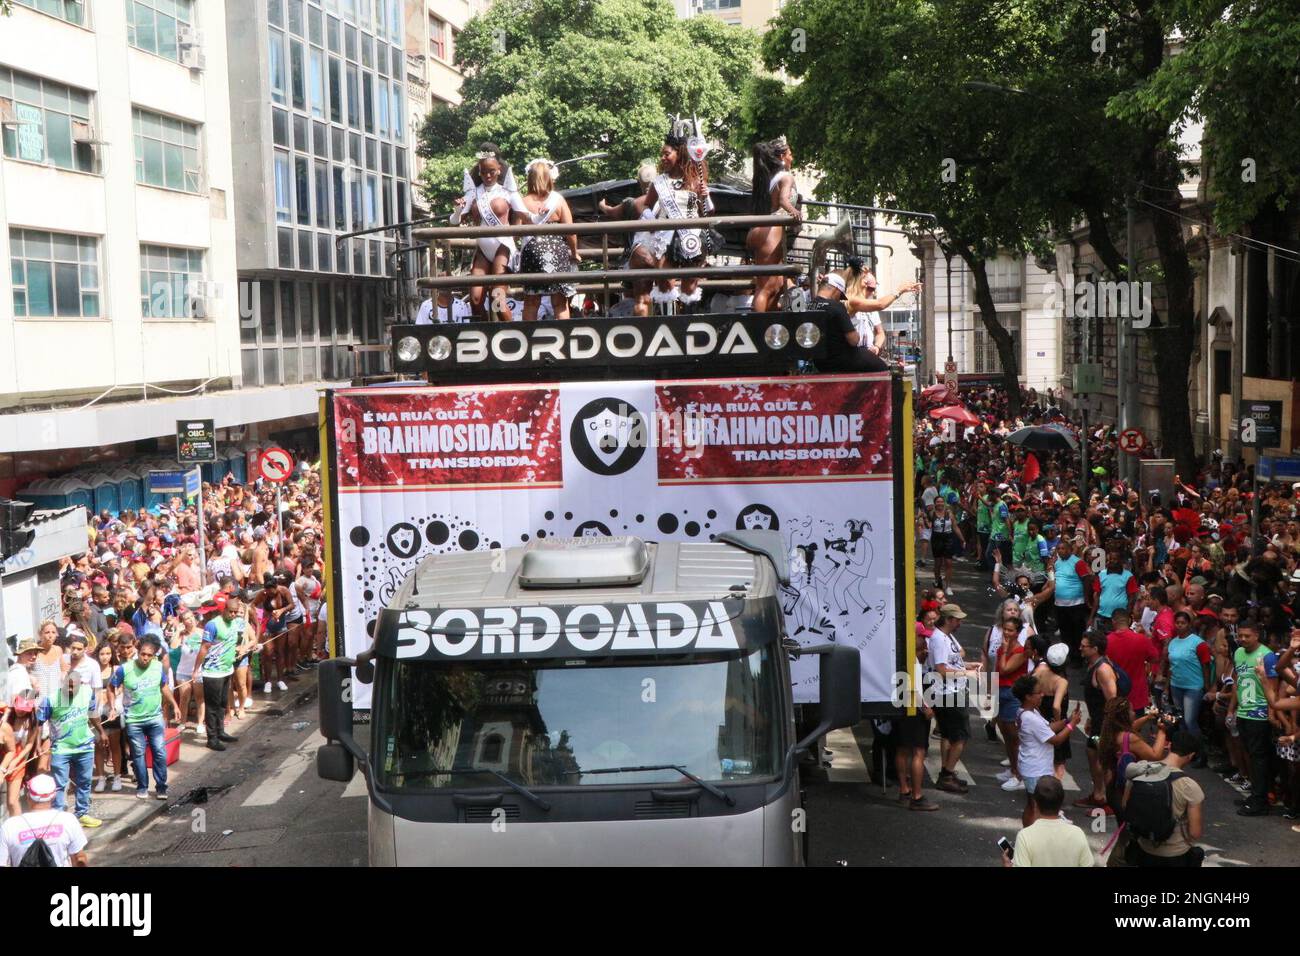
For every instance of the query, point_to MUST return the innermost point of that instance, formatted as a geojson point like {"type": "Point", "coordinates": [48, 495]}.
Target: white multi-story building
{"type": "Point", "coordinates": [120, 309]}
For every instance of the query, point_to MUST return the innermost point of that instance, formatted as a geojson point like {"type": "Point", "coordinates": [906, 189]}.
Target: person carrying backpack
{"type": "Point", "coordinates": [1162, 808]}
{"type": "Point", "coordinates": [43, 836]}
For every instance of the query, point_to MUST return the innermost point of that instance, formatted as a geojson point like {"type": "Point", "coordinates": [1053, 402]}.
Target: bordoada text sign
{"type": "Point", "coordinates": [276, 464]}
{"type": "Point", "coordinates": [196, 441]}
{"type": "Point", "coordinates": [424, 471]}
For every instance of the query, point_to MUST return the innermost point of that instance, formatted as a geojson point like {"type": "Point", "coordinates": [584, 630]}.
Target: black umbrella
{"type": "Point", "coordinates": [1044, 438]}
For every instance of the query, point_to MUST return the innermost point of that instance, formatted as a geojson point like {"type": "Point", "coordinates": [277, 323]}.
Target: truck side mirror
{"type": "Point", "coordinates": [841, 687]}
{"type": "Point", "coordinates": [841, 692]}
{"type": "Point", "coordinates": [335, 698]}
{"type": "Point", "coordinates": [333, 762]}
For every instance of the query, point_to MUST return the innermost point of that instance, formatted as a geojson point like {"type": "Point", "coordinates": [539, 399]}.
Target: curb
{"type": "Point", "coordinates": [138, 818]}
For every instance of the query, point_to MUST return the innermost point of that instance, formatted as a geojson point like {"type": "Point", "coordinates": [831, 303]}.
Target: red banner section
{"type": "Point", "coordinates": [803, 429]}
{"type": "Point", "coordinates": [496, 437]}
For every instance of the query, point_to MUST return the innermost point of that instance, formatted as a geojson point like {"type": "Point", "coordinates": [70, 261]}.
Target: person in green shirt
{"type": "Point", "coordinates": [983, 520]}
{"type": "Point", "coordinates": [224, 641]}
{"type": "Point", "coordinates": [146, 685]}
{"type": "Point", "coordinates": [1249, 710]}
{"type": "Point", "coordinates": [74, 728]}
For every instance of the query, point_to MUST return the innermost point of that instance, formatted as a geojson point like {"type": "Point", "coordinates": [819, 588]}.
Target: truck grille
{"type": "Point", "coordinates": [490, 815]}
{"type": "Point", "coordinates": [662, 809]}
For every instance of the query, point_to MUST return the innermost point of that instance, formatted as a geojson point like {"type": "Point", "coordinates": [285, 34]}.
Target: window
{"type": "Point", "coordinates": [322, 196]}
{"type": "Point", "coordinates": [986, 350]}
{"type": "Point", "coordinates": [283, 204]}
{"type": "Point", "coordinates": [297, 79]}
{"type": "Point", "coordinates": [155, 26]}
{"type": "Point", "coordinates": [1004, 279]}
{"type": "Point", "coordinates": [368, 100]}
{"type": "Point", "coordinates": [372, 201]}
{"type": "Point", "coordinates": [397, 113]}
{"type": "Point", "coordinates": [295, 17]}
{"type": "Point", "coordinates": [354, 98]}
{"type": "Point", "coordinates": [340, 200]}
{"type": "Point", "coordinates": [170, 282]}
{"type": "Point", "coordinates": [50, 122]}
{"type": "Point", "coordinates": [395, 21]}
{"type": "Point", "coordinates": [166, 151]}
{"type": "Point", "coordinates": [317, 84]}
{"type": "Point", "coordinates": [332, 34]}
{"type": "Point", "coordinates": [438, 38]}
{"type": "Point", "coordinates": [336, 90]}
{"type": "Point", "coordinates": [302, 181]}
{"type": "Point", "coordinates": [275, 12]}
{"type": "Point", "coordinates": [383, 109]}
{"type": "Point", "coordinates": [280, 127]}
{"type": "Point", "coordinates": [354, 189]}
{"type": "Point", "coordinates": [54, 274]}
{"type": "Point", "coordinates": [276, 62]}
{"type": "Point", "coordinates": [74, 11]}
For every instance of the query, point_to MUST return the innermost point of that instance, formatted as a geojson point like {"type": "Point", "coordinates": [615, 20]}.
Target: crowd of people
{"type": "Point", "coordinates": [155, 641]}
{"type": "Point", "coordinates": [1179, 630]}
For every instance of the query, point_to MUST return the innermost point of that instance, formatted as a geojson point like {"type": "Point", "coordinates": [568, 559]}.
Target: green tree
{"type": "Point", "coordinates": [560, 78]}
{"type": "Point", "coordinates": [880, 107]}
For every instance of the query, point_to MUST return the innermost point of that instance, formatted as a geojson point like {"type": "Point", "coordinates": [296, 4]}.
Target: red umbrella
{"type": "Point", "coordinates": [958, 413]}
{"type": "Point", "coordinates": [937, 394]}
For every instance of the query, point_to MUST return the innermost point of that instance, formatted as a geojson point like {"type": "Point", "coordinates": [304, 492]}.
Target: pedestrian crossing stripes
{"type": "Point", "coordinates": [274, 787]}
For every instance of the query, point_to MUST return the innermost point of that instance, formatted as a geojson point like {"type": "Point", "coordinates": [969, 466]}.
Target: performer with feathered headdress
{"type": "Point", "coordinates": [680, 190]}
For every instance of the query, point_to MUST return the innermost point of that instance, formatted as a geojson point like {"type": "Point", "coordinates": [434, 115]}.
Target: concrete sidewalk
{"type": "Point", "coordinates": [125, 814]}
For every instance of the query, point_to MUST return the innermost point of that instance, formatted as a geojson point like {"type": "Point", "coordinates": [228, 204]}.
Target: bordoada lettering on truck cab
{"type": "Point", "coordinates": [586, 701]}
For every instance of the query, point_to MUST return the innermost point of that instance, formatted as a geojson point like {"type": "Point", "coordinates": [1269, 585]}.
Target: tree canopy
{"type": "Point", "coordinates": [561, 78]}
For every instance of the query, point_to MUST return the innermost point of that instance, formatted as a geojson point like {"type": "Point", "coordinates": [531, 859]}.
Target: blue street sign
{"type": "Point", "coordinates": [166, 482]}
{"type": "Point", "coordinates": [193, 482]}
{"type": "Point", "coordinates": [1273, 468]}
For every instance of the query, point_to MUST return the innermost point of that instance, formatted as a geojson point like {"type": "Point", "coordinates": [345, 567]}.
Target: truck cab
{"type": "Point", "coordinates": [585, 701]}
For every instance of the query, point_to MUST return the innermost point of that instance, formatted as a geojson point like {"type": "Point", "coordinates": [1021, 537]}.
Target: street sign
{"type": "Point", "coordinates": [950, 366]}
{"type": "Point", "coordinates": [193, 482]}
{"type": "Point", "coordinates": [1086, 379]}
{"type": "Point", "coordinates": [1132, 441]}
{"type": "Point", "coordinates": [276, 464]}
{"type": "Point", "coordinates": [1275, 468]}
{"type": "Point", "coordinates": [166, 482]}
{"type": "Point", "coordinates": [196, 441]}
{"type": "Point", "coordinates": [1260, 424]}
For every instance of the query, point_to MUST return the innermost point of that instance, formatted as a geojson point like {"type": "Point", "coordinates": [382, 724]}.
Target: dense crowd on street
{"type": "Point", "coordinates": [157, 645]}
{"type": "Point", "coordinates": [1179, 631]}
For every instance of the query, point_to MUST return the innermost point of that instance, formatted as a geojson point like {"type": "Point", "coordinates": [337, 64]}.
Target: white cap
{"type": "Point", "coordinates": [1057, 654]}
{"type": "Point", "coordinates": [835, 281]}
{"type": "Point", "coordinates": [42, 787]}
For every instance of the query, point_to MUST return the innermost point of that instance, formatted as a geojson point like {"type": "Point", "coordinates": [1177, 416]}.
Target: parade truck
{"type": "Point", "coordinates": [596, 586]}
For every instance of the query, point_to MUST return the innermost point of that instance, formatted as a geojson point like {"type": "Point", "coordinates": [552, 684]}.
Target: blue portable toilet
{"type": "Point", "coordinates": [104, 490]}
{"type": "Point", "coordinates": [130, 489]}
{"type": "Point", "coordinates": [150, 500]}
{"type": "Point", "coordinates": [38, 493]}
{"type": "Point", "coordinates": [71, 492]}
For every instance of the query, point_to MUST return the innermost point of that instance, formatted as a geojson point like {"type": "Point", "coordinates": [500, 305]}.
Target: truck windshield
{"type": "Point", "coordinates": [547, 723]}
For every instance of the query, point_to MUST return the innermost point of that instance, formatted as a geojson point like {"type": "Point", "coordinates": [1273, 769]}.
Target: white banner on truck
{"type": "Point", "coordinates": [421, 471]}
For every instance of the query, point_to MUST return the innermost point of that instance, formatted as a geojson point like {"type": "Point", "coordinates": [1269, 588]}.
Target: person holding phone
{"type": "Point", "coordinates": [1050, 840]}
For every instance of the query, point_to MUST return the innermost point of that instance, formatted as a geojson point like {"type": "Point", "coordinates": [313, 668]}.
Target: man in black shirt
{"type": "Point", "coordinates": [842, 339]}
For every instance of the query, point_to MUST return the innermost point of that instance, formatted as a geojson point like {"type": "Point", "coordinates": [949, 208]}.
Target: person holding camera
{"type": "Point", "coordinates": [1148, 820]}
{"type": "Point", "coordinates": [1120, 743]}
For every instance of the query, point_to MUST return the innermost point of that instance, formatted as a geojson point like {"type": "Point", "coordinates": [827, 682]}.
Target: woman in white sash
{"type": "Point", "coordinates": [546, 253]}
{"type": "Point", "coordinates": [489, 186]}
{"type": "Point", "coordinates": [773, 192]}
{"type": "Point", "coordinates": [679, 191]}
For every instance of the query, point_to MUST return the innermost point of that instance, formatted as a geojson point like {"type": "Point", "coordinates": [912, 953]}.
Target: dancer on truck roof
{"type": "Point", "coordinates": [773, 192]}
{"type": "Point", "coordinates": [546, 253]}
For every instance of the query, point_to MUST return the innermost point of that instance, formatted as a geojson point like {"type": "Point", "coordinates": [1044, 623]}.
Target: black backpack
{"type": "Point", "coordinates": [39, 853]}
{"type": "Point", "coordinates": [1149, 812]}
{"type": "Point", "coordinates": [1122, 682]}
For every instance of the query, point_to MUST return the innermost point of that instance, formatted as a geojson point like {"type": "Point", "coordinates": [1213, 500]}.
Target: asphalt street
{"type": "Point", "coordinates": [261, 804]}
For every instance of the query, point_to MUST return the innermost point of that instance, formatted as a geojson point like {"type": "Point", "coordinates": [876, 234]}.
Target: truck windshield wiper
{"type": "Point", "coordinates": [718, 792]}
{"type": "Point", "coordinates": [516, 787]}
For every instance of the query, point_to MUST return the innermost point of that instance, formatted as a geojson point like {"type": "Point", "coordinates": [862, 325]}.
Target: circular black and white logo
{"type": "Point", "coordinates": [757, 518]}
{"type": "Point", "coordinates": [609, 436]}
{"type": "Point", "coordinates": [591, 529]}
{"type": "Point", "coordinates": [403, 540]}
